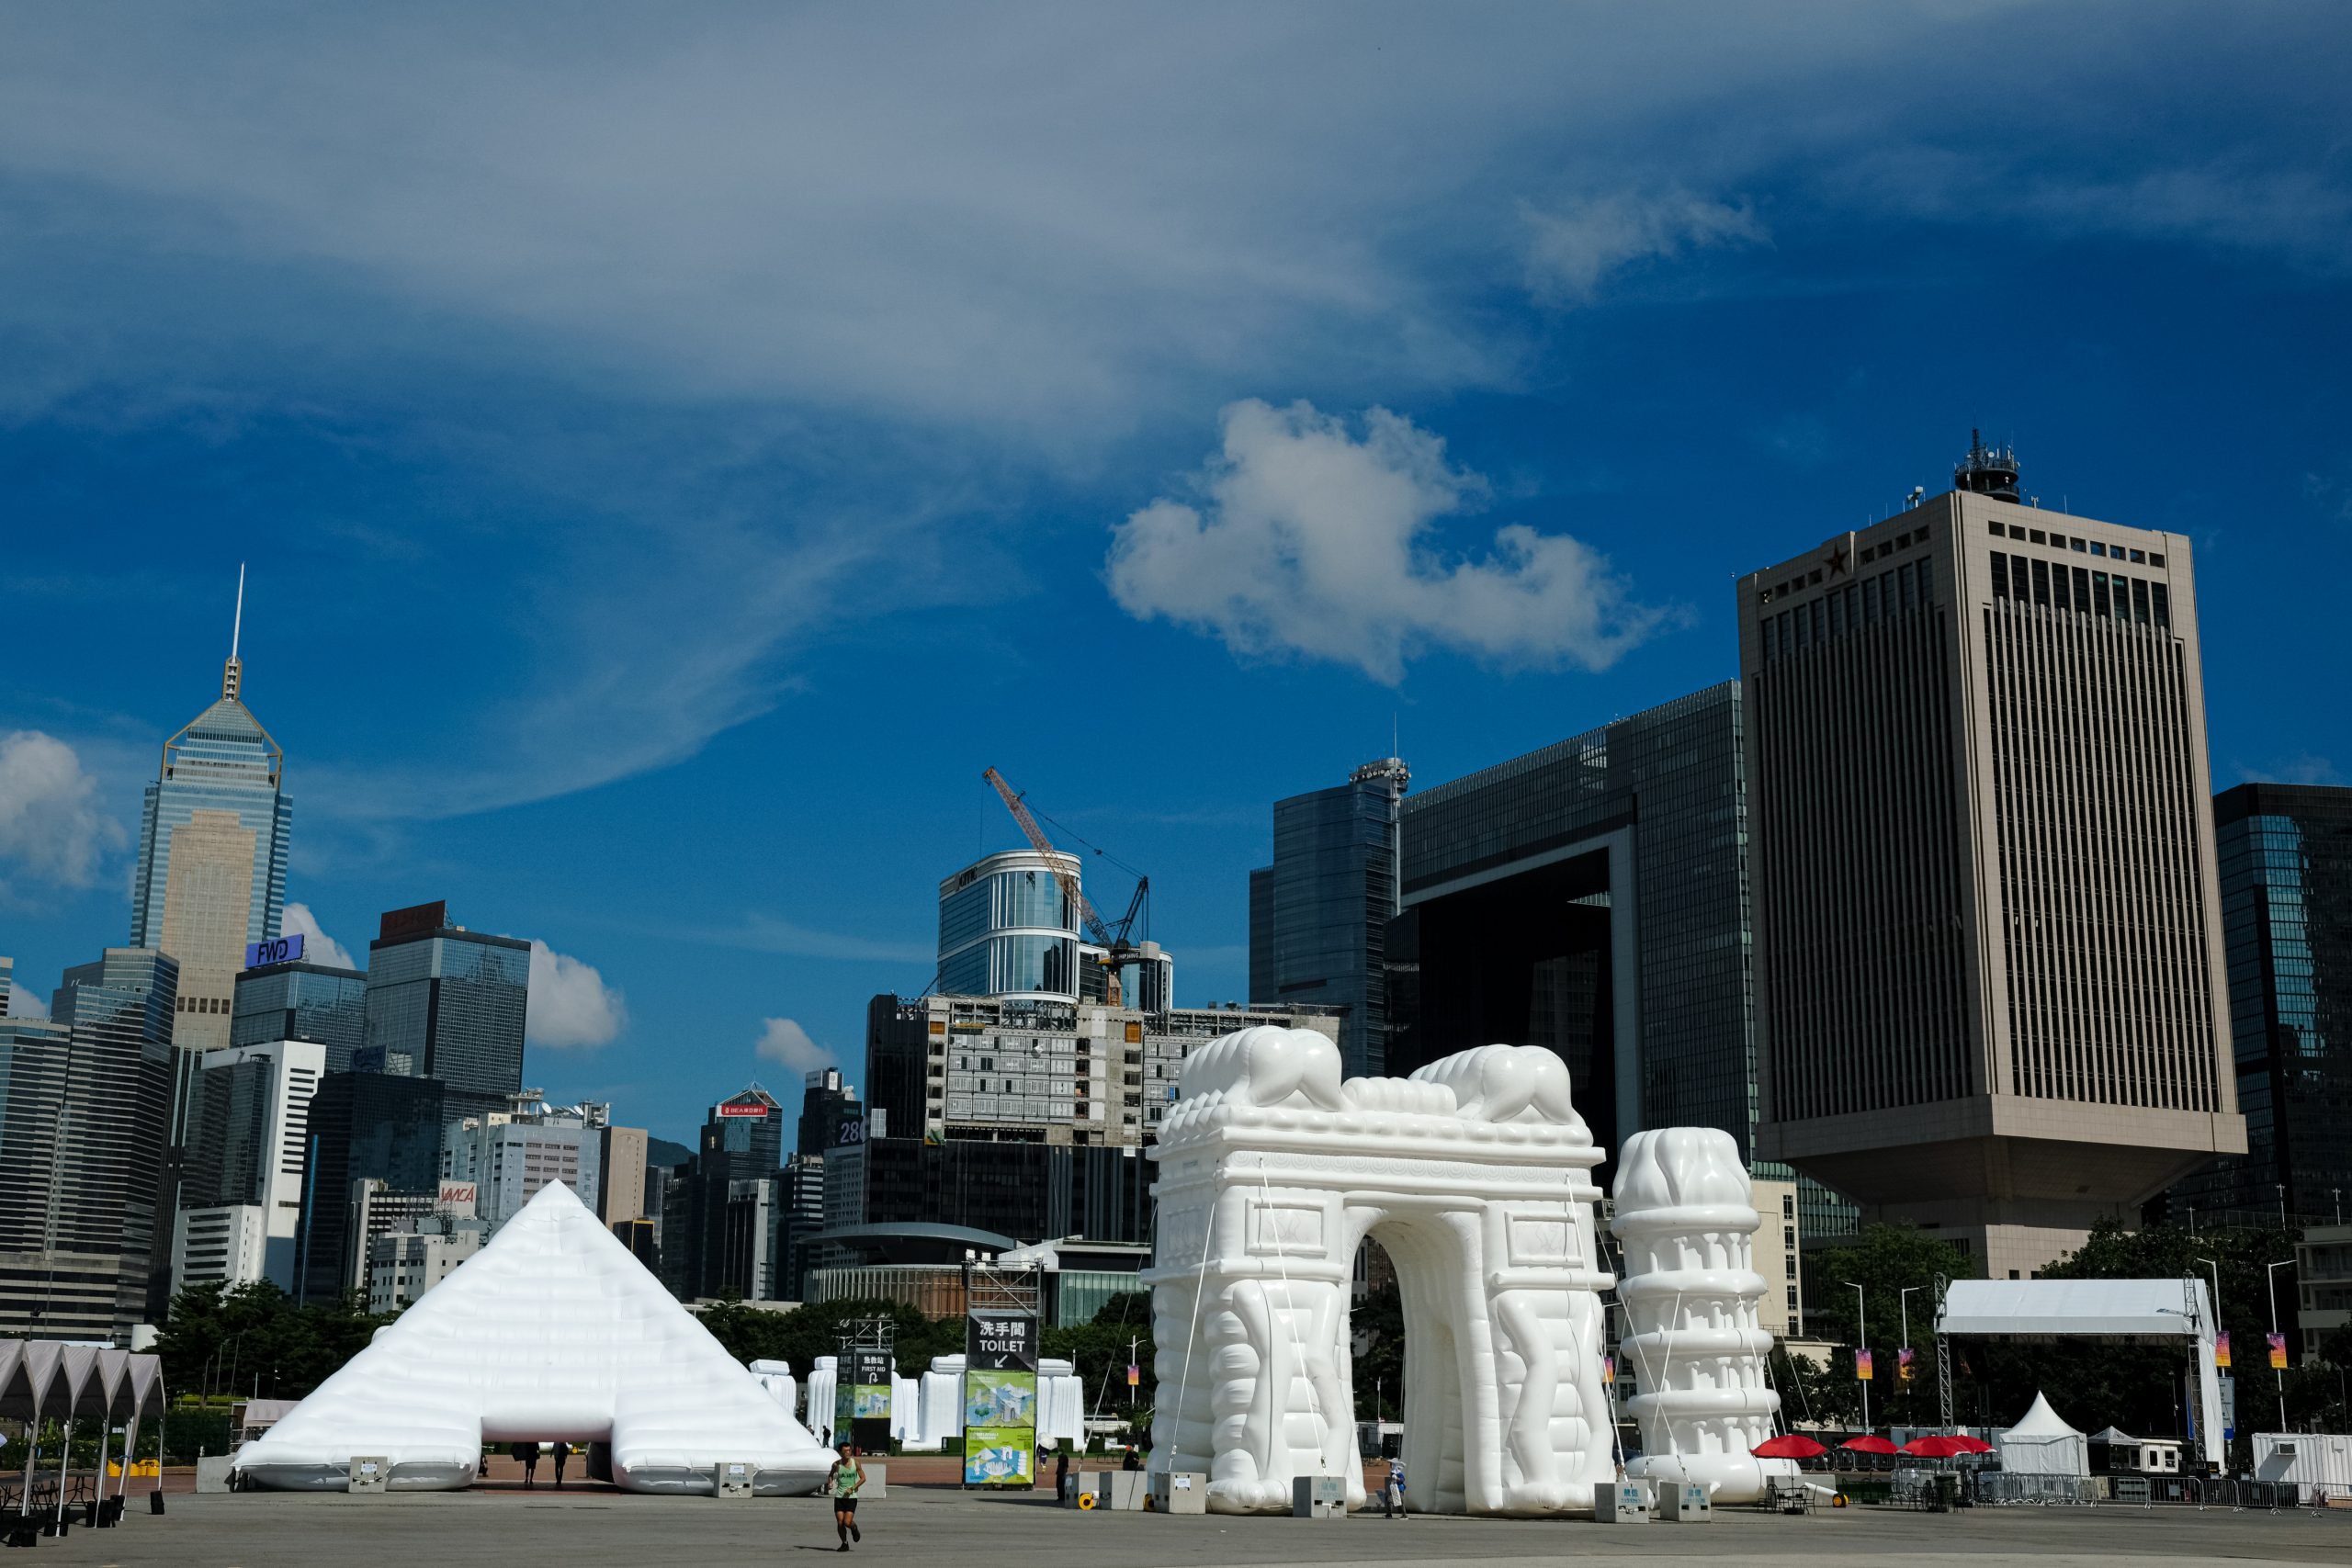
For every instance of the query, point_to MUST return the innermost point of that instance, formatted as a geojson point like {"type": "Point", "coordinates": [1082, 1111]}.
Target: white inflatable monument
{"type": "Point", "coordinates": [553, 1331]}
{"type": "Point", "coordinates": [1686, 1226]}
{"type": "Point", "coordinates": [1474, 1176]}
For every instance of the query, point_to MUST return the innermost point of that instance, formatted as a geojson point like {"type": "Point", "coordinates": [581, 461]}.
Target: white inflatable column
{"type": "Point", "coordinates": [1687, 1223]}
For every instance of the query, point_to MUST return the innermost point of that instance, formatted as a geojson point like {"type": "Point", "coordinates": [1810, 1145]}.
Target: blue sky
{"type": "Point", "coordinates": [676, 452]}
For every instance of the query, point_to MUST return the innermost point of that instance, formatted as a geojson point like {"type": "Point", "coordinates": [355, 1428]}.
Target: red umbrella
{"type": "Point", "coordinates": [1796, 1445]}
{"type": "Point", "coordinates": [1936, 1445]}
{"type": "Point", "coordinates": [1969, 1445]}
{"type": "Point", "coordinates": [1869, 1443]}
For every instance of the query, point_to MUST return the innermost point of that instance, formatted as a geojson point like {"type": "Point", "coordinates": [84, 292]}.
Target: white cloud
{"type": "Point", "coordinates": [571, 1004]}
{"type": "Point", "coordinates": [317, 946]}
{"type": "Point", "coordinates": [23, 1003]}
{"type": "Point", "coordinates": [1572, 251]}
{"type": "Point", "coordinates": [782, 1040]}
{"type": "Point", "coordinates": [51, 826]}
{"type": "Point", "coordinates": [1310, 540]}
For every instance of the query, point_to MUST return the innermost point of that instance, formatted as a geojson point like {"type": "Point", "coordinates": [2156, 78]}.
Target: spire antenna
{"type": "Point", "coordinates": [232, 674]}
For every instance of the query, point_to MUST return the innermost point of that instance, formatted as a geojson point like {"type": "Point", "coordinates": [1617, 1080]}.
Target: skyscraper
{"type": "Point", "coordinates": [2285, 852]}
{"type": "Point", "coordinates": [1592, 897]}
{"type": "Point", "coordinates": [83, 1102]}
{"type": "Point", "coordinates": [447, 1003]}
{"type": "Point", "coordinates": [297, 999]}
{"type": "Point", "coordinates": [368, 1131]}
{"type": "Point", "coordinates": [1318, 916]}
{"type": "Point", "coordinates": [212, 849]}
{"type": "Point", "coordinates": [1988, 941]}
{"type": "Point", "coordinates": [246, 1150]}
{"type": "Point", "coordinates": [1006, 930]}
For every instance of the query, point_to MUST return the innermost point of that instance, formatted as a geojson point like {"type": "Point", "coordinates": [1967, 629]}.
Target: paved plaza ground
{"type": "Point", "coordinates": [942, 1527]}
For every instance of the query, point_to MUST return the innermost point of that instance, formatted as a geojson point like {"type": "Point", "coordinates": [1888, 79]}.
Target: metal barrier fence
{"type": "Point", "coordinates": [1999, 1488]}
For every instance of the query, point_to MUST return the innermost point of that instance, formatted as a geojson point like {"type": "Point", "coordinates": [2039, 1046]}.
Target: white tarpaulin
{"type": "Point", "coordinates": [2042, 1444]}
{"type": "Point", "coordinates": [2144, 1310]}
{"type": "Point", "coordinates": [552, 1331]}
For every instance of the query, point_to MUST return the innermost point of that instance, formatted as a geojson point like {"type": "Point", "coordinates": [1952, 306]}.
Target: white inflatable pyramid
{"type": "Point", "coordinates": [552, 1332]}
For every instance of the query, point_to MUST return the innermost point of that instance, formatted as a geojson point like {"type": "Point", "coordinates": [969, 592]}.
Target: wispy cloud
{"type": "Point", "coordinates": [317, 946]}
{"type": "Point", "coordinates": [784, 1042]}
{"type": "Point", "coordinates": [571, 1004]}
{"type": "Point", "coordinates": [1571, 251]}
{"type": "Point", "coordinates": [1307, 538]}
{"type": "Point", "coordinates": [771, 933]}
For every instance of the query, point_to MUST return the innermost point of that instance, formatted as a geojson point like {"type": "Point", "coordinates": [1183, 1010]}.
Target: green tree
{"type": "Point", "coordinates": [1886, 1261]}
{"type": "Point", "coordinates": [252, 1337]}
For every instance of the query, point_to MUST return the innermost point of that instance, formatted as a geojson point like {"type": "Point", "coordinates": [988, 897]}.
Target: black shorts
{"type": "Point", "coordinates": [844, 1504]}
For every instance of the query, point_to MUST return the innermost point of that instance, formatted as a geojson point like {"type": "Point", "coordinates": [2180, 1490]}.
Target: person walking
{"type": "Point", "coordinates": [563, 1452]}
{"type": "Point", "coordinates": [842, 1484]}
{"type": "Point", "coordinates": [1061, 1475]}
{"type": "Point", "coordinates": [1395, 1490]}
{"type": "Point", "coordinates": [529, 1454]}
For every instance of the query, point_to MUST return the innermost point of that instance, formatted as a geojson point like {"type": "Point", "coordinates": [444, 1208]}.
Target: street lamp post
{"type": "Point", "coordinates": [1902, 1303]}
{"type": "Point", "coordinates": [2278, 1374]}
{"type": "Point", "coordinates": [1861, 1346]}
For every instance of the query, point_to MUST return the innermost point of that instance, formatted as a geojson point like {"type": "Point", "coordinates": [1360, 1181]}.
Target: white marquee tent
{"type": "Point", "coordinates": [2147, 1311]}
{"type": "Point", "coordinates": [552, 1331]}
{"type": "Point", "coordinates": [2042, 1443]}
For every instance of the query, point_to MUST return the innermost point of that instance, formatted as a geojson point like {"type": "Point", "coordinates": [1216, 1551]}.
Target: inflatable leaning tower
{"type": "Point", "coordinates": [1687, 1226]}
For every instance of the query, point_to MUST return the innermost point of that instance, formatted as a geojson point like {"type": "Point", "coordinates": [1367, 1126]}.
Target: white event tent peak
{"type": "Point", "coordinates": [552, 1331]}
{"type": "Point", "coordinates": [2042, 1443]}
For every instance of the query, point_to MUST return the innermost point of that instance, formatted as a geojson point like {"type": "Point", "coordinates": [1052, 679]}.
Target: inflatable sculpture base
{"type": "Point", "coordinates": [1475, 1175]}
{"type": "Point", "coordinates": [553, 1331]}
{"type": "Point", "coordinates": [1686, 1225]}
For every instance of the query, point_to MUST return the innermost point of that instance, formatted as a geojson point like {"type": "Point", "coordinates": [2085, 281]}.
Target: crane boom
{"type": "Point", "coordinates": [1094, 927]}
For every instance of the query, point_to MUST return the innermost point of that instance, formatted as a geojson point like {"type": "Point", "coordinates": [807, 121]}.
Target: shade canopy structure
{"type": "Point", "coordinates": [554, 1331]}
{"type": "Point", "coordinates": [2042, 1443]}
{"type": "Point", "coordinates": [1942, 1445]}
{"type": "Point", "coordinates": [1789, 1445]}
{"type": "Point", "coordinates": [2146, 1311]}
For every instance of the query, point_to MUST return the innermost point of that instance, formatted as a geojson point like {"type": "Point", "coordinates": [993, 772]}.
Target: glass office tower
{"type": "Point", "coordinates": [212, 849]}
{"type": "Point", "coordinates": [2285, 852]}
{"type": "Point", "coordinates": [315, 1002]}
{"type": "Point", "coordinates": [1318, 916]}
{"type": "Point", "coordinates": [1592, 897]}
{"type": "Point", "coordinates": [447, 1003]}
{"type": "Point", "coordinates": [83, 1102]}
{"type": "Point", "coordinates": [1006, 929]}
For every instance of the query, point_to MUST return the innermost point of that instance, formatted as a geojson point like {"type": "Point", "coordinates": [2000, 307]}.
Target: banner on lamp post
{"type": "Point", "coordinates": [2221, 1351]}
{"type": "Point", "coordinates": [1862, 1366]}
{"type": "Point", "coordinates": [1903, 1365]}
{"type": "Point", "coordinates": [2278, 1351]}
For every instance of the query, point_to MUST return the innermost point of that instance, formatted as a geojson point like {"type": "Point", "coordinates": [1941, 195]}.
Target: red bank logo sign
{"type": "Point", "coordinates": [754, 1109]}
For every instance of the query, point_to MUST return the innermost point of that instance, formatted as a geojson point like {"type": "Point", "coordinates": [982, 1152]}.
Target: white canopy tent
{"type": "Point", "coordinates": [2042, 1443]}
{"type": "Point", "coordinates": [2148, 1311]}
{"type": "Point", "coordinates": [49, 1379]}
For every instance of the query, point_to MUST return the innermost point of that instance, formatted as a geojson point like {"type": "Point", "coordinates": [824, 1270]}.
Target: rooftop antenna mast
{"type": "Point", "coordinates": [232, 674]}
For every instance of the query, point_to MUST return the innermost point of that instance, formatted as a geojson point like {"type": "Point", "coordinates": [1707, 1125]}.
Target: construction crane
{"type": "Point", "coordinates": [1114, 937]}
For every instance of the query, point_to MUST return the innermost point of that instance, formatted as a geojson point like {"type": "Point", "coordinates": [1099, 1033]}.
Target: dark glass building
{"type": "Point", "coordinates": [84, 1247]}
{"type": "Point", "coordinates": [301, 1000]}
{"type": "Point", "coordinates": [2285, 857]}
{"type": "Point", "coordinates": [1593, 897]}
{"type": "Point", "coordinates": [379, 1126]}
{"type": "Point", "coordinates": [1318, 916]}
{"type": "Point", "coordinates": [447, 1003]}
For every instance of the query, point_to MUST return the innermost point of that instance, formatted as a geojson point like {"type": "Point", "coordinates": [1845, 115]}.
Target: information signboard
{"type": "Point", "coordinates": [285, 949]}
{"type": "Point", "coordinates": [862, 1400]}
{"type": "Point", "coordinates": [1000, 1399]}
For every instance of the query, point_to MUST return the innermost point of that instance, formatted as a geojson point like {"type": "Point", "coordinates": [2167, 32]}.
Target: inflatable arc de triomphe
{"type": "Point", "coordinates": [1474, 1176]}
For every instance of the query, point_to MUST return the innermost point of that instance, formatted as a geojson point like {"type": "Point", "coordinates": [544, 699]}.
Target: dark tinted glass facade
{"type": "Point", "coordinates": [84, 1099]}
{"type": "Point", "coordinates": [302, 1001]}
{"type": "Point", "coordinates": [1542, 887]}
{"type": "Point", "coordinates": [450, 1004]}
{"type": "Point", "coordinates": [2285, 854]}
{"type": "Point", "coordinates": [1030, 1191]}
{"type": "Point", "coordinates": [1318, 916]}
{"type": "Point", "coordinates": [362, 1125]}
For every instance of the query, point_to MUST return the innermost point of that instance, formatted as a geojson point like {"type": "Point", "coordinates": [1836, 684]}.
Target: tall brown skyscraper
{"type": "Point", "coordinates": [1989, 967]}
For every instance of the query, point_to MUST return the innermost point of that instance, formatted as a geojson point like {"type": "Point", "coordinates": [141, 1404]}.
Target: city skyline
{"type": "Point", "coordinates": [618, 626]}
